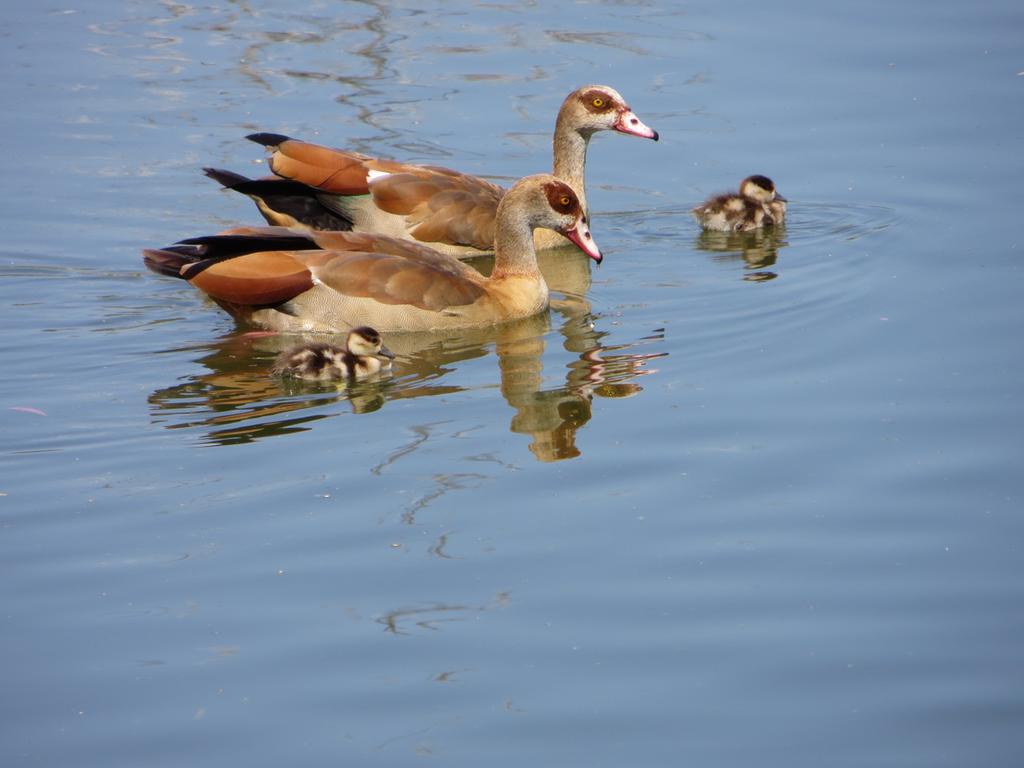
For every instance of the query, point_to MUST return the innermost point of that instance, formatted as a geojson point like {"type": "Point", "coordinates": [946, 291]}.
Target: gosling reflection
{"type": "Point", "coordinates": [759, 249]}
{"type": "Point", "coordinates": [235, 399]}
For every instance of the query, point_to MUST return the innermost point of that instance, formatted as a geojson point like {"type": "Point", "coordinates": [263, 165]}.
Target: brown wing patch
{"type": "Point", "coordinates": [441, 205]}
{"type": "Point", "coordinates": [403, 193]}
{"type": "Point", "coordinates": [371, 242]}
{"type": "Point", "coordinates": [396, 280]}
{"type": "Point", "coordinates": [329, 170]}
{"type": "Point", "coordinates": [256, 279]}
{"type": "Point", "coordinates": [332, 240]}
{"type": "Point", "coordinates": [346, 241]}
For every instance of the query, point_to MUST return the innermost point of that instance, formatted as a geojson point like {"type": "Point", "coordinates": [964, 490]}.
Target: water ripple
{"type": "Point", "coordinates": [822, 222]}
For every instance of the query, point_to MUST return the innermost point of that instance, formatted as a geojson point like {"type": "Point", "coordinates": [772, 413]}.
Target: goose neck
{"type": "Point", "coordinates": [570, 157]}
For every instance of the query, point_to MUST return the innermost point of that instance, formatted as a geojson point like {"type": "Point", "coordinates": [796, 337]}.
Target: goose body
{"type": "Point", "coordinates": [318, 187]}
{"type": "Point", "coordinates": [363, 355]}
{"type": "Point", "coordinates": [756, 205]}
{"type": "Point", "coordinates": [329, 281]}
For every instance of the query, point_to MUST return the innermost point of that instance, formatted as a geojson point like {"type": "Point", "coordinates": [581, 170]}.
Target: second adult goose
{"type": "Point", "coordinates": [329, 281]}
{"type": "Point", "coordinates": [323, 188]}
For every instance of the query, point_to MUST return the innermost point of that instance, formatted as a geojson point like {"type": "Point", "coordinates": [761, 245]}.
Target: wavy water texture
{"type": "Point", "coordinates": [731, 501]}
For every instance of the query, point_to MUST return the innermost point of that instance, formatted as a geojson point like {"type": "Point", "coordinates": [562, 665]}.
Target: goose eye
{"type": "Point", "coordinates": [564, 200]}
{"type": "Point", "coordinates": [598, 102]}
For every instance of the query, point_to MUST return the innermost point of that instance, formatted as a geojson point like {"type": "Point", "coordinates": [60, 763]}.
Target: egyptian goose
{"type": "Point", "coordinates": [363, 355]}
{"type": "Point", "coordinates": [323, 188]}
{"type": "Point", "coordinates": [756, 205]}
{"type": "Point", "coordinates": [329, 281]}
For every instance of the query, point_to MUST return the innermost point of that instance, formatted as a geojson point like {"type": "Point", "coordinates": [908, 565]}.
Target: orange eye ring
{"type": "Point", "coordinates": [598, 102]}
{"type": "Point", "coordinates": [564, 200]}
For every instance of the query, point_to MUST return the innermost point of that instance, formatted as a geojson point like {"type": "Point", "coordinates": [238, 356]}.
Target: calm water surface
{"type": "Point", "coordinates": [732, 502]}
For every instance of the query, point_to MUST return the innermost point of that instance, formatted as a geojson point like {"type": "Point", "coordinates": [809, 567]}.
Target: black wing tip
{"type": "Point", "coordinates": [164, 261]}
{"type": "Point", "coordinates": [226, 246]}
{"type": "Point", "coordinates": [268, 139]}
{"type": "Point", "coordinates": [226, 179]}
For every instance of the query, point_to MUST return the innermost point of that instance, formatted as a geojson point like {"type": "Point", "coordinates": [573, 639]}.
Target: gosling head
{"type": "Point", "coordinates": [760, 189]}
{"type": "Point", "coordinates": [366, 342]}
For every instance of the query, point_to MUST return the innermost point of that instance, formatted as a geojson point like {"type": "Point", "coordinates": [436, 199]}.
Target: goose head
{"type": "Point", "coordinates": [760, 189]}
{"type": "Point", "coordinates": [595, 108]}
{"type": "Point", "coordinates": [547, 202]}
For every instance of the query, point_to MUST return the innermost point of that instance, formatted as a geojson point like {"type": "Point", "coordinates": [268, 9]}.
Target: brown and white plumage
{"type": "Point", "coordinates": [327, 281]}
{"type": "Point", "coordinates": [452, 212]}
{"type": "Point", "coordinates": [757, 204]}
{"type": "Point", "coordinates": [363, 355]}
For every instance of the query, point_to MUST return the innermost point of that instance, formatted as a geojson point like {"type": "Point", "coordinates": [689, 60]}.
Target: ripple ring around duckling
{"type": "Point", "coordinates": [820, 222]}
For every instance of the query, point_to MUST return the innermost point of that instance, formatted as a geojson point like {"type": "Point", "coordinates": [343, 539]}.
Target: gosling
{"type": "Point", "coordinates": [363, 355]}
{"type": "Point", "coordinates": [756, 205]}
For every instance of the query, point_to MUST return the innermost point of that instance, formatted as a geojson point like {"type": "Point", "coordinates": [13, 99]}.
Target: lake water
{"type": "Point", "coordinates": [730, 503]}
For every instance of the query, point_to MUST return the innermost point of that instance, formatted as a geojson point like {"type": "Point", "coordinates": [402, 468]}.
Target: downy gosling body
{"type": "Point", "coordinates": [363, 355]}
{"type": "Point", "coordinates": [757, 204]}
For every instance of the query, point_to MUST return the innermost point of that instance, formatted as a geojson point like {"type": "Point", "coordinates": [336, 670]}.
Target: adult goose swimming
{"type": "Point", "coordinates": [455, 213]}
{"type": "Point", "coordinates": [329, 281]}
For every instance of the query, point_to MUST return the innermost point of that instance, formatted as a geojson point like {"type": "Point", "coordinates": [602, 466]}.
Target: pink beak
{"type": "Point", "coordinates": [629, 123]}
{"type": "Point", "coordinates": [580, 235]}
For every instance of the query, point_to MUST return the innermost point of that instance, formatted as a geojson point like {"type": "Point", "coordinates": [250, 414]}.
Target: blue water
{"type": "Point", "coordinates": [731, 502]}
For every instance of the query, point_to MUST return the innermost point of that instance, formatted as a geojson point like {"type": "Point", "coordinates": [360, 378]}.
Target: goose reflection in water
{"type": "Point", "coordinates": [759, 249]}
{"type": "Point", "coordinates": [235, 400]}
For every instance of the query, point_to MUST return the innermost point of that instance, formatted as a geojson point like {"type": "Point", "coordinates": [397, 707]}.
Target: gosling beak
{"type": "Point", "coordinates": [780, 197]}
{"type": "Point", "coordinates": [629, 123]}
{"type": "Point", "coordinates": [579, 234]}
{"type": "Point", "coordinates": [386, 353]}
